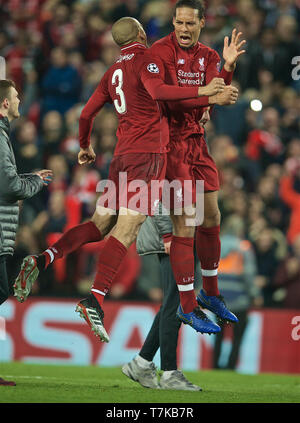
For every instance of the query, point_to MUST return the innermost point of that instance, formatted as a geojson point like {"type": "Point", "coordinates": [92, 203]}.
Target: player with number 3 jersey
{"type": "Point", "coordinates": [134, 85]}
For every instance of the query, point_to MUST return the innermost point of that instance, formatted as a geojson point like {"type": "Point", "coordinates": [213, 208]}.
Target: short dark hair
{"type": "Point", "coordinates": [5, 86]}
{"type": "Point", "coordinates": [193, 4]}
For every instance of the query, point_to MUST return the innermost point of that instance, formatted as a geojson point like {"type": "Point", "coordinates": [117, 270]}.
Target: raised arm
{"type": "Point", "coordinates": [287, 191]}
{"type": "Point", "coordinates": [232, 51]}
{"type": "Point", "coordinates": [90, 110]}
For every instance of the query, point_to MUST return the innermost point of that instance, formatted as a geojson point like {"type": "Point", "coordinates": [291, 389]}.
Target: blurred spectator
{"type": "Point", "coordinates": [28, 155]}
{"type": "Point", "coordinates": [157, 17]}
{"type": "Point", "coordinates": [236, 280]}
{"type": "Point", "coordinates": [290, 114]}
{"type": "Point", "coordinates": [287, 278]}
{"type": "Point", "coordinates": [64, 212]}
{"type": "Point", "coordinates": [264, 146]}
{"type": "Point", "coordinates": [56, 25]}
{"type": "Point", "coordinates": [269, 249]}
{"type": "Point", "coordinates": [60, 85]}
{"type": "Point", "coordinates": [267, 190]}
{"type": "Point", "coordinates": [273, 57]}
{"type": "Point", "coordinates": [92, 73]}
{"type": "Point", "coordinates": [15, 57]}
{"type": "Point", "coordinates": [83, 188]}
{"type": "Point", "coordinates": [223, 118]}
{"type": "Point", "coordinates": [148, 284]}
{"type": "Point", "coordinates": [110, 52]}
{"type": "Point", "coordinates": [57, 163]}
{"type": "Point", "coordinates": [51, 133]}
{"type": "Point", "coordinates": [223, 150]}
{"type": "Point", "coordinates": [291, 197]}
{"type": "Point", "coordinates": [5, 43]}
{"type": "Point", "coordinates": [96, 27]}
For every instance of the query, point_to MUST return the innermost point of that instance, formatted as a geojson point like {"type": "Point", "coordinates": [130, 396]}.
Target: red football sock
{"type": "Point", "coordinates": [72, 240]}
{"type": "Point", "coordinates": [208, 247]}
{"type": "Point", "coordinates": [99, 297]}
{"type": "Point", "coordinates": [108, 265]}
{"type": "Point", "coordinates": [182, 262]}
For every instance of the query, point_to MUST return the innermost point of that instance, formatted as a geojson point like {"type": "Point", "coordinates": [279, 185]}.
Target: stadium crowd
{"type": "Point", "coordinates": [57, 51]}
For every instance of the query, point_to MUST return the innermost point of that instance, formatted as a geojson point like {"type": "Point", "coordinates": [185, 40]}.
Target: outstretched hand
{"type": "Point", "coordinates": [45, 175]}
{"type": "Point", "coordinates": [232, 50]}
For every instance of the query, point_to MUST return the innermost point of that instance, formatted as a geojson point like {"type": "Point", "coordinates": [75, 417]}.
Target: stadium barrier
{"type": "Point", "coordinates": [44, 330]}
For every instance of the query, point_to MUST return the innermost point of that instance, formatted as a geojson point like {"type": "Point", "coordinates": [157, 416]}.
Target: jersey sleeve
{"type": "Point", "coordinates": [166, 56]}
{"type": "Point", "coordinates": [152, 74]}
{"type": "Point", "coordinates": [227, 76]}
{"type": "Point", "coordinates": [187, 105]}
{"type": "Point", "coordinates": [214, 70]}
{"type": "Point", "coordinates": [93, 106]}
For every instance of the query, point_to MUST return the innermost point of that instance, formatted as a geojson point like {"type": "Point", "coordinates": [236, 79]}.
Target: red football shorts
{"type": "Point", "coordinates": [134, 182]}
{"type": "Point", "coordinates": [190, 161]}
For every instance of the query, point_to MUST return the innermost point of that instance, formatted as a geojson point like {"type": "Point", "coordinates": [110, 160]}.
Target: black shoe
{"type": "Point", "coordinates": [90, 310]}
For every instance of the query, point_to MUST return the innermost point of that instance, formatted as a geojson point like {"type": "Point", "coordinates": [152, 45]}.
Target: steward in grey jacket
{"type": "Point", "coordinates": [163, 334]}
{"type": "Point", "coordinates": [13, 187]}
{"type": "Point", "coordinates": [149, 240]}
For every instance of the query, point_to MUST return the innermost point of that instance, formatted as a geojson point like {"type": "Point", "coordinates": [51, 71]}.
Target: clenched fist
{"type": "Point", "coordinates": [86, 155]}
{"type": "Point", "coordinates": [216, 86]}
{"type": "Point", "coordinates": [225, 98]}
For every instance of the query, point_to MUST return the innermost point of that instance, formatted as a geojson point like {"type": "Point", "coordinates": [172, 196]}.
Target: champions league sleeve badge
{"type": "Point", "coordinates": [153, 68]}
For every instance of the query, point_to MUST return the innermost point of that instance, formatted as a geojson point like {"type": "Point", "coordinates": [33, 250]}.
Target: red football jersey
{"type": "Point", "coordinates": [192, 67]}
{"type": "Point", "coordinates": [134, 84]}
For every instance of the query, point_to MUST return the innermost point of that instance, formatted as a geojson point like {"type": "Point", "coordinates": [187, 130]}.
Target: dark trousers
{"type": "Point", "coordinates": [4, 287]}
{"type": "Point", "coordinates": [165, 327]}
{"type": "Point", "coordinates": [238, 332]}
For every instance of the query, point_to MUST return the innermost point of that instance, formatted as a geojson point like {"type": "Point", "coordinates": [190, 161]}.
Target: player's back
{"type": "Point", "coordinates": [142, 122]}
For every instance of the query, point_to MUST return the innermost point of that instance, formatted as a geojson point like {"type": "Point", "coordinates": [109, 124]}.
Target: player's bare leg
{"type": "Point", "coordinates": [128, 225]}
{"type": "Point", "coordinates": [92, 231]}
{"type": "Point", "coordinates": [123, 235]}
{"type": "Point", "coordinates": [105, 219]}
{"type": "Point", "coordinates": [208, 247]}
{"type": "Point", "coordinates": [212, 215]}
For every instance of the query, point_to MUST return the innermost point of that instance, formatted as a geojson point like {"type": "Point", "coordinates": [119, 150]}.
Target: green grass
{"type": "Point", "coordinates": [91, 384]}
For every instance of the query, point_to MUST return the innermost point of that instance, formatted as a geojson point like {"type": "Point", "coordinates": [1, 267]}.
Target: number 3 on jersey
{"type": "Point", "coordinates": [117, 79]}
